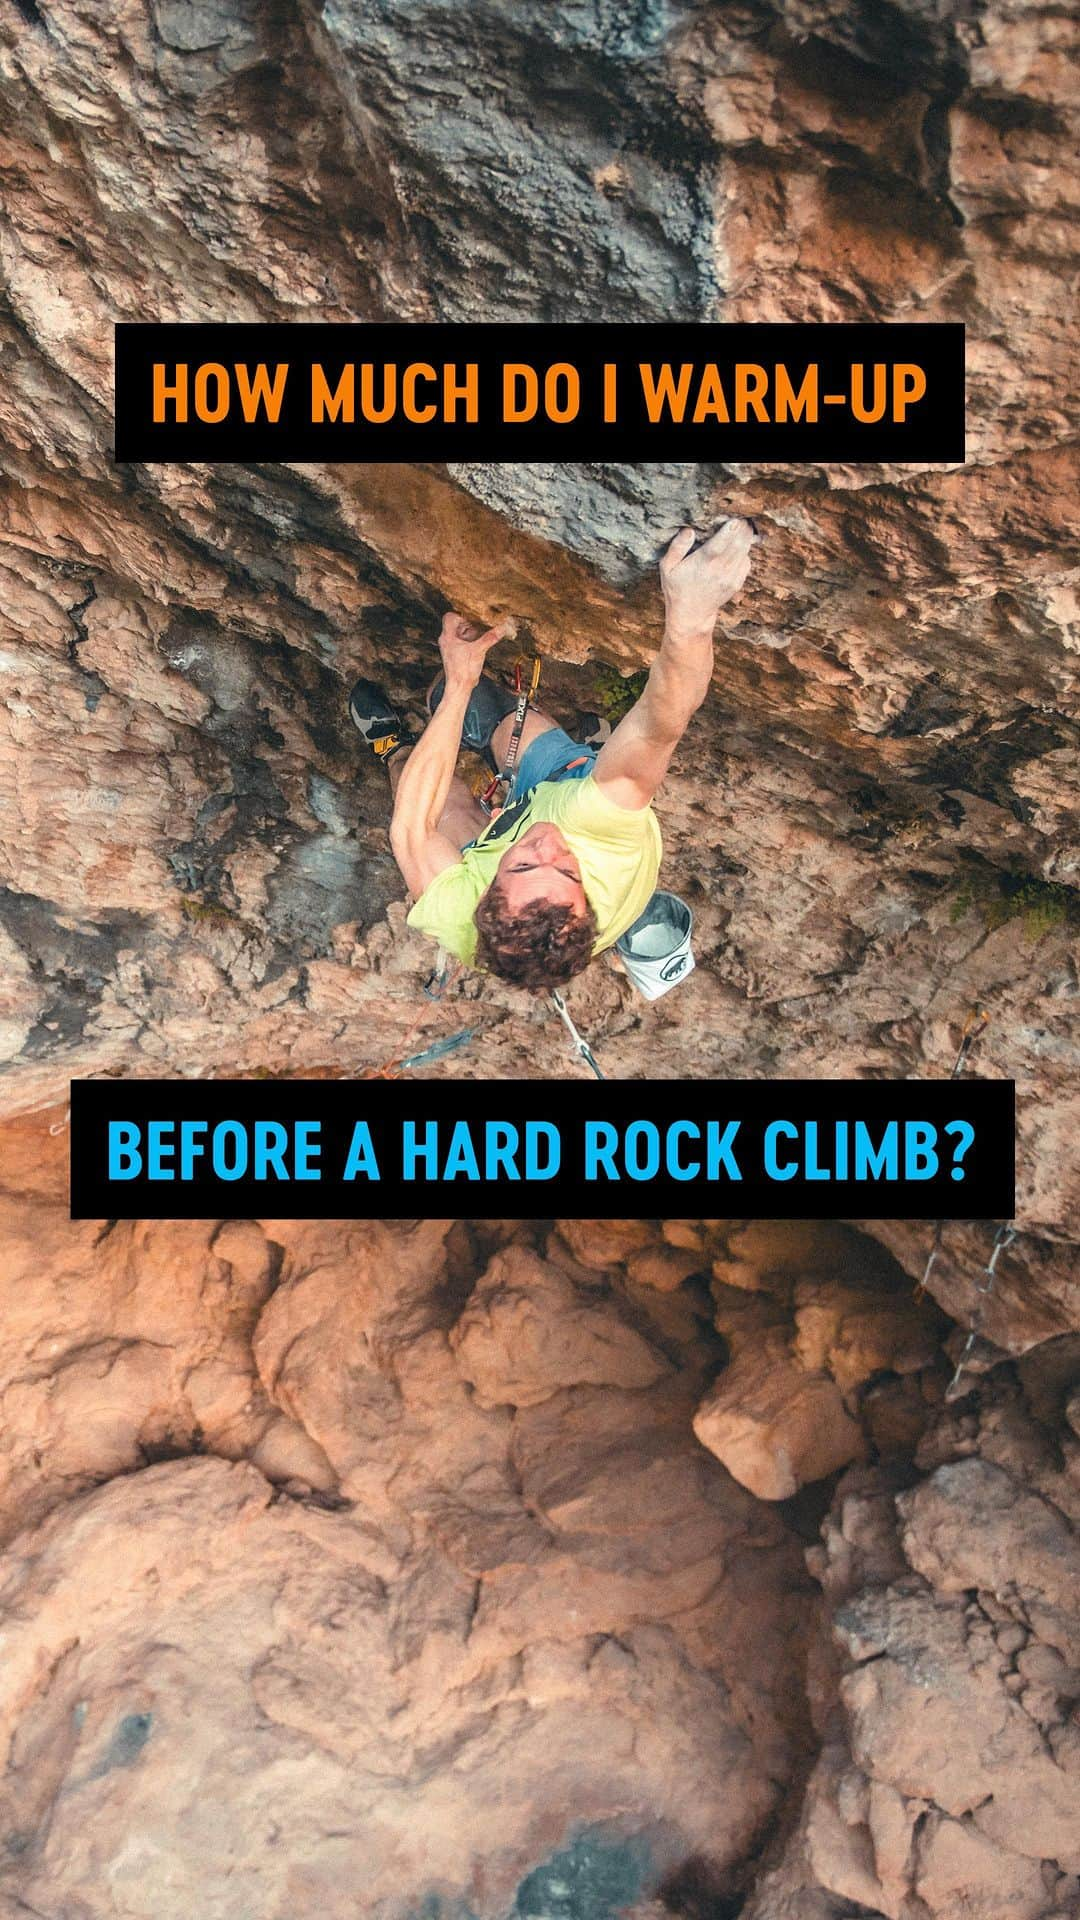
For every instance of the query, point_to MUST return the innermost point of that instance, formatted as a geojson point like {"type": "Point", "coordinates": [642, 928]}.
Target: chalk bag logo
{"type": "Point", "coordinates": [656, 951]}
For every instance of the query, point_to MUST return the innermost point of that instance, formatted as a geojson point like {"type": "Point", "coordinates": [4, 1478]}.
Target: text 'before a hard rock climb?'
{"type": "Point", "coordinates": [174, 1149]}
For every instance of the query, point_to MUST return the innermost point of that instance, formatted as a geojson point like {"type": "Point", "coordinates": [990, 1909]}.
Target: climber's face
{"type": "Point", "coordinates": [540, 866]}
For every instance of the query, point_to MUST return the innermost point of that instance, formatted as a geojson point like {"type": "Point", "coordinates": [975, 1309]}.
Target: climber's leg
{"type": "Point", "coordinates": [462, 817]}
{"type": "Point", "coordinates": [489, 724]}
{"type": "Point", "coordinates": [490, 711]}
{"type": "Point", "coordinates": [373, 715]}
{"type": "Point", "coordinates": [536, 723]}
{"type": "Point", "coordinates": [376, 719]}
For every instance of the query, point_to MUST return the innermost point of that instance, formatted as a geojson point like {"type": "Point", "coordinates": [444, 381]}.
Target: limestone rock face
{"type": "Point", "coordinates": [813, 1316]}
{"type": "Point", "coordinates": [873, 817]}
{"type": "Point", "coordinates": [120, 1342]}
{"type": "Point", "coordinates": [776, 1426]}
{"type": "Point", "coordinates": [527, 1331]}
{"type": "Point", "coordinates": [264, 1707]}
{"type": "Point", "coordinates": [296, 1682]}
{"type": "Point", "coordinates": [322, 1539]}
{"type": "Point", "coordinates": [948, 1782]}
{"type": "Point", "coordinates": [382, 1571]}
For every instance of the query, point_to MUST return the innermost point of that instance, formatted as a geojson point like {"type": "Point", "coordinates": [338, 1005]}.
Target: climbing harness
{"type": "Point", "coordinates": [497, 792]}
{"type": "Point", "coordinates": [984, 1287]}
{"type": "Point", "coordinates": [581, 1045]}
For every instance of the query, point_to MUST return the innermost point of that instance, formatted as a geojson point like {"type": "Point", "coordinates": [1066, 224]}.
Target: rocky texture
{"type": "Point", "coordinates": [872, 819]}
{"type": "Point", "coordinates": [322, 1543]}
{"type": "Point", "coordinates": [813, 1318]}
{"type": "Point", "coordinates": [322, 1540]}
{"type": "Point", "coordinates": [204, 1742]}
{"type": "Point", "coordinates": [948, 1780]}
{"type": "Point", "coordinates": [776, 1425]}
{"type": "Point", "coordinates": [302, 1670]}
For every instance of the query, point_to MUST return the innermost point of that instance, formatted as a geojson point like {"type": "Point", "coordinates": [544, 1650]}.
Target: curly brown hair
{"type": "Point", "coordinates": [543, 945]}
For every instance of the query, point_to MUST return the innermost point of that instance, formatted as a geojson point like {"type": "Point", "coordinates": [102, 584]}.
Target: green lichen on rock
{"type": "Point", "coordinates": [1040, 905]}
{"type": "Point", "coordinates": [615, 692]}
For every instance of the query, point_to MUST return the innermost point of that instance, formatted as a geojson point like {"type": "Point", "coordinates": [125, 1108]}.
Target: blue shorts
{"type": "Point", "coordinates": [552, 756]}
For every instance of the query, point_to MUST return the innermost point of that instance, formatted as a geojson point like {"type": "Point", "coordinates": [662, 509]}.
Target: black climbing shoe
{"type": "Point", "coordinates": [593, 729]}
{"type": "Point", "coordinates": [373, 715]}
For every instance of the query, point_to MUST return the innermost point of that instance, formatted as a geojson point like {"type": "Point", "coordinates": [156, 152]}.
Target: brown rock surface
{"type": "Point", "coordinates": [873, 818]}
{"type": "Point", "coordinates": [776, 1425]}
{"type": "Point", "coordinates": [425, 1568]}
{"type": "Point", "coordinates": [527, 1331]}
{"type": "Point", "coordinates": [949, 1781]}
{"type": "Point", "coordinates": [814, 1315]}
{"type": "Point", "coordinates": [120, 1342]}
{"type": "Point", "coordinates": [456, 1616]}
{"type": "Point", "coordinates": [225, 1703]}
{"type": "Point", "coordinates": [546, 1597]}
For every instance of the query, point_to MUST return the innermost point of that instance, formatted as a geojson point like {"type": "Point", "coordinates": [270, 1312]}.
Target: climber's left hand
{"type": "Point", "coordinates": [464, 648]}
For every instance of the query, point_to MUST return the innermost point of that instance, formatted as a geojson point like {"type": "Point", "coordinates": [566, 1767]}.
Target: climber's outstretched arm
{"type": "Point", "coordinates": [420, 847]}
{"type": "Point", "coordinates": [697, 582]}
{"type": "Point", "coordinates": [421, 851]}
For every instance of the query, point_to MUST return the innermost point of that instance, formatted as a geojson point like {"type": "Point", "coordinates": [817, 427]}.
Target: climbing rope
{"type": "Point", "coordinates": [442, 976]}
{"type": "Point", "coordinates": [984, 1287]}
{"type": "Point", "coordinates": [581, 1045]}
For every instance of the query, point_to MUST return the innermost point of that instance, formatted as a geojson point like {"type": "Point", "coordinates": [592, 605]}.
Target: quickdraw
{"type": "Point", "coordinates": [984, 1287]}
{"type": "Point", "coordinates": [496, 794]}
{"type": "Point", "coordinates": [973, 1028]}
{"type": "Point", "coordinates": [581, 1045]}
{"type": "Point", "coordinates": [978, 1019]}
{"type": "Point", "coordinates": [393, 1069]}
{"type": "Point", "coordinates": [445, 972]}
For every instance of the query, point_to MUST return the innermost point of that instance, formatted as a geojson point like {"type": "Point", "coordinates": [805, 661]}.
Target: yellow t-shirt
{"type": "Point", "coordinates": [618, 851]}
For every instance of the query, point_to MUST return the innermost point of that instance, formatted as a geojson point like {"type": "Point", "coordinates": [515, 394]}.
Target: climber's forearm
{"type": "Point", "coordinates": [421, 794]}
{"type": "Point", "coordinates": [678, 682]}
{"type": "Point", "coordinates": [425, 779]}
{"type": "Point", "coordinates": [697, 580]}
{"type": "Point", "coordinates": [633, 762]}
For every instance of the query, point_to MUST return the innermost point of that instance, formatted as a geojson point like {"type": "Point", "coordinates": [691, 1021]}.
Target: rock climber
{"type": "Point", "coordinates": [572, 859]}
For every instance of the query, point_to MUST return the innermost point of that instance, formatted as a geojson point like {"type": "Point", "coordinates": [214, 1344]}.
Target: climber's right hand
{"type": "Point", "coordinates": [464, 646]}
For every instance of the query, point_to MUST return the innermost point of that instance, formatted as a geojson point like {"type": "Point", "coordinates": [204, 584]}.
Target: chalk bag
{"type": "Point", "coordinates": [656, 950]}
